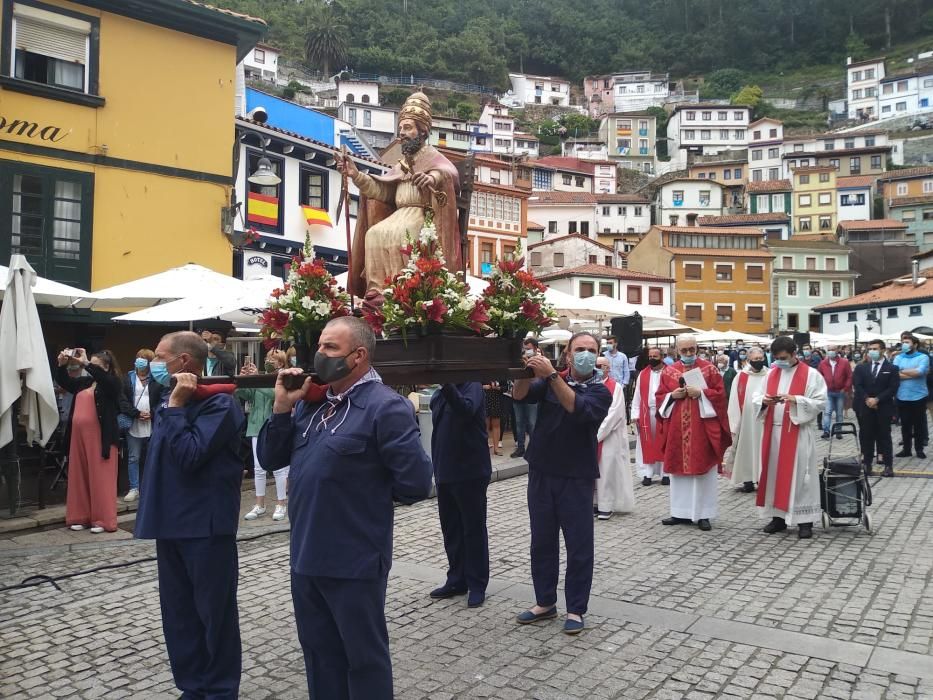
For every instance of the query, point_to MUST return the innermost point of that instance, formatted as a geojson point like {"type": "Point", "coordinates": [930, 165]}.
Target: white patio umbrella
{"type": "Point", "coordinates": [24, 369]}
{"type": "Point", "coordinates": [189, 280]}
{"type": "Point", "coordinates": [242, 306]}
{"type": "Point", "coordinates": [46, 291]}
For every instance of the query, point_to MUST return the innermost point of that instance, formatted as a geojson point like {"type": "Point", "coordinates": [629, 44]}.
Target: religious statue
{"type": "Point", "coordinates": [394, 205]}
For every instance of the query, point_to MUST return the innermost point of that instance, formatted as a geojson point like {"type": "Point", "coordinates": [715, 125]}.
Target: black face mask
{"type": "Point", "coordinates": [757, 364]}
{"type": "Point", "coordinates": [653, 361]}
{"type": "Point", "coordinates": [331, 369]}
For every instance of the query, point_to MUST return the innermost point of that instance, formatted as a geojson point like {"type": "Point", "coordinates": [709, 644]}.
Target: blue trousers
{"type": "Point", "coordinates": [342, 630]}
{"type": "Point", "coordinates": [555, 505]}
{"type": "Point", "coordinates": [526, 414]}
{"type": "Point", "coordinates": [835, 401]}
{"type": "Point", "coordinates": [461, 507]}
{"type": "Point", "coordinates": [134, 449]}
{"type": "Point", "coordinates": [197, 592]}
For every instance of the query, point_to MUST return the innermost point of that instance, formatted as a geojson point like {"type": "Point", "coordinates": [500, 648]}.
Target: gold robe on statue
{"type": "Point", "coordinates": [391, 207]}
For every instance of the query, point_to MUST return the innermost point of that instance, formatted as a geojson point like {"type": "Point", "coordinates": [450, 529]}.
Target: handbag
{"type": "Point", "coordinates": [124, 422]}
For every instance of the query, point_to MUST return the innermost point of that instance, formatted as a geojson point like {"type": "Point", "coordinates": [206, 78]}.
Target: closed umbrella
{"type": "Point", "coordinates": [25, 376]}
{"type": "Point", "coordinates": [51, 293]}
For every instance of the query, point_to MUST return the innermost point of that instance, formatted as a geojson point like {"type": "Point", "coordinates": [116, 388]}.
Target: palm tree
{"type": "Point", "coordinates": [325, 40]}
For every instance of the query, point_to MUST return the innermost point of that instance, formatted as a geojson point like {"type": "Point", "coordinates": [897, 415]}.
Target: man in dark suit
{"type": "Point", "coordinates": [220, 361]}
{"type": "Point", "coordinates": [462, 469]}
{"type": "Point", "coordinates": [875, 384]}
{"type": "Point", "coordinates": [190, 505]}
{"type": "Point", "coordinates": [351, 455]}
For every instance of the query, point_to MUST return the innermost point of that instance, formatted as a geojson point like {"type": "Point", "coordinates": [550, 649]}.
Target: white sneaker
{"type": "Point", "coordinates": [280, 513]}
{"type": "Point", "coordinates": [96, 530]}
{"type": "Point", "coordinates": [131, 496]}
{"type": "Point", "coordinates": [77, 527]}
{"type": "Point", "coordinates": [500, 444]}
{"type": "Point", "coordinates": [255, 513]}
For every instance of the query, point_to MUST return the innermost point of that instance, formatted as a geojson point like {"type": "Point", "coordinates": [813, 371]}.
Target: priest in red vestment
{"type": "Point", "coordinates": [695, 428]}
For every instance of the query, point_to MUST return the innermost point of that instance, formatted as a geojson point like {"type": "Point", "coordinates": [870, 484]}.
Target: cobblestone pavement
{"type": "Point", "coordinates": [676, 613]}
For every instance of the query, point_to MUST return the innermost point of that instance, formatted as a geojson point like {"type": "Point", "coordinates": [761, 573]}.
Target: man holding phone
{"type": "Point", "coordinates": [793, 395]}
{"type": "Point", "coordinates": [526, 414]}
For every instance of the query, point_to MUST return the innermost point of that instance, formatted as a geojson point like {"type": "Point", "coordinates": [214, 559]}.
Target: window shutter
{"type": "Point", "coordinates": [50, 40]}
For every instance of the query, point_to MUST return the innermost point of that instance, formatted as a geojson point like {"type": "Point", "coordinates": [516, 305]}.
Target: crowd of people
{"type": "Point", "coordinates": [343, 452]}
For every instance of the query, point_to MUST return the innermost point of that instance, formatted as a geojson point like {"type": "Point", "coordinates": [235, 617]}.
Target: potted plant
{"type": "Point", "coordinates": [515, 300]}
{"type": "Point", "coordinates": [300, 309]}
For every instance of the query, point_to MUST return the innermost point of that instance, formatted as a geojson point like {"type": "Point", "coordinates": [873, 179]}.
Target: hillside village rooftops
{"type": "Point", "coordinates": [712, 230]}
{"type": "Point", "coordinates": [738, 219]}
{"type": "Point", "coordinates": [769, 186]}
{"type": "Point", "coordinates": [872, 225]}
{"type": "Point", "coordinates": [593, 270]}
{"type": "Point", "coordinates": [895, 202]}
{"type": "Point", "coordinates": [580, 236]}
{"type": "Point", "coordinates": [541, 197]}
{"type": "Point", "coordinates": [906, 173]}
{"type": "Point", "coordinates": [898, 290]}
{"type": "Point", "coordinates": [855, 181]}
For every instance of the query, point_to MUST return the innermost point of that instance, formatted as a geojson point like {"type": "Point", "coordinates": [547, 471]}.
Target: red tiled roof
{"type": "Point", "coordinates": [709, 105]}
{"type": "Point", "coordinates": [592, 270]}
{"type": "Point", "coordinates": [812, 168]}
{"type": "Point", "coordinates": [743, 219]}
{"type": "Point", "coordinates": [836, 152]}
{"type": "Point", "coordinates": [906, 173]}
{"type": "Point", "coordinates": [292, 134]}
{"type": "Point", "coordinates": [704, 180]}
{"type": "Point", "coordinates": [534, 225]}
{"type": "Point", "coordinates": [855, 181]}
{"type": "Point", "coordinates": [548, 241]}
{"type": "Point", "coordinates": [899, 289]}
{"type": "Point", "coordinates": [769, 186]}
{"type": "Point", "coordinates": [721, 252]}
{"type": "Point", "coordinates": [725, 230]}
{"type": "Point", "coordinates": [581, 165]}
{"type": "Point", "coordinates": [871, 225]}
{"type": "Point", "coordinates": [621, 199]}
{"type": "Point", "coordinates": [554, 197]}
{"type": "Point", "coordinates": [907, 201]}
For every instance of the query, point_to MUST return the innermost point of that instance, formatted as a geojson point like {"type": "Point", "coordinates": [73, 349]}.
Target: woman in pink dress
{"type": "Point", "coordinates": [92, 459]}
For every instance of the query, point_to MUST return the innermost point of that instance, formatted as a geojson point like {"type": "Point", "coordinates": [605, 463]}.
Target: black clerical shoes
{"type": "Point", "coordinates": [665, 481]}
{"type": "Point", "coordinates": [748, 487]}
{"type": "Point", "coordinates": [704, 525]}
{"type": "Point", "coordinates": [888, 471]}
{"type": "Point", "coordinates": [776, 525]}
{"type": "Point", "coordinates": [646, 481]}
{"type": "Point", "coordinates": [805, 531]}
{"type": "Point", "coordinates": [447, 591]}
{"type": "Point", "coordinates": [676, 521]}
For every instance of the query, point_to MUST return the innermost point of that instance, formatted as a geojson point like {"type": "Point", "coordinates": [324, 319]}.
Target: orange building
{"type": "Point", "coordinates": [722, 274]}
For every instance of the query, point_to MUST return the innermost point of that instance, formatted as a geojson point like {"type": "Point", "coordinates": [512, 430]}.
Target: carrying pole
{"type": "Point", "coordinates": [346, 222]}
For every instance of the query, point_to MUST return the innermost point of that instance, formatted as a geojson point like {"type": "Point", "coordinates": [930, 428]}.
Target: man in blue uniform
{"type": "Point", "coordinates": [562, 473]}
{"type": "Point", "coordinates": [351, 455]}
{"type": "Point", "coordinates": [190, 505]}
{"type": "Point", "coordinates": [462, 469]}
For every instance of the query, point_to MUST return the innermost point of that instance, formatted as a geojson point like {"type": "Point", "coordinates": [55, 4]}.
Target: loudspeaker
{"type": "Point", "coordinates": [628, 330]}
{"type": "Point", "coordinates": [801, 339]}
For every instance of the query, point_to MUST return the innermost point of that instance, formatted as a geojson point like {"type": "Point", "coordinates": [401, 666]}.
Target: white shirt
{"type": "Point", "coordinates": [141, 428]}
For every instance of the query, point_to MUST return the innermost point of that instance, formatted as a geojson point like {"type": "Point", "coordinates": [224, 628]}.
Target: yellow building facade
{"type": "Point", "coordinates": [722, 274]}
{"type": "Point", "coordinates": [116, 135]}
{"type": "Point", "coordinates": [814, 197]}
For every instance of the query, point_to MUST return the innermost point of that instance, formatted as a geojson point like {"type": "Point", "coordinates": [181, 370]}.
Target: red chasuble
{"type": "Point", "coordinates": [694, 445]}
{"type": "Point", "coordinates": [787, 452]}
{"type": "Point", "coordinates": [651, 448]}
{"type": "Point", "coordinates": [742, 386]}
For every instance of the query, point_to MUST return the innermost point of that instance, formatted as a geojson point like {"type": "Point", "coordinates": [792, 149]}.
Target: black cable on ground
{"type": "Point", "coordinates": [38, 579]}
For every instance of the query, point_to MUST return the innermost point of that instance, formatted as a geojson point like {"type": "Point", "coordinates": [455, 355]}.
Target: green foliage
{"type": "Point", "coordinates": [723, 83]}
{"type": "Point", "coordinates": [466, 111]}
{"type": "Point", "coordinates": [856, 47]}
{"type": "Point", "coordinates": [661, 118]}
{"type": "Point", "coordinates": [478, 41]}
{"type": "Point", "coordinates": [326, 39]}
{"type": "Point", "coordinates": [750, 96]}
{"type": "Point", "coordinates": [577, 124]}
{"type": "Point", "coordinates": [395, 97]}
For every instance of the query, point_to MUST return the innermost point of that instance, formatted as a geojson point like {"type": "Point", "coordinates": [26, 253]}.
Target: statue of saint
{"type": "Point", "coordinates": [394, 204]}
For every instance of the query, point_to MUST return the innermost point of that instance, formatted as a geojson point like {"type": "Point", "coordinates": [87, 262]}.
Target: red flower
{"type": "Point", "coordinates": [531, 309]}
{"type": "Point", "coordinates": [437, 310]}
{"type": "Point", "coordinates": [375, 319]}
{"type": "Point", "coordinates": [478, 315]}
{"type": "Point", "coordinates": [427, 266]}
{"type": "Point", "coordinates": [406, 251]}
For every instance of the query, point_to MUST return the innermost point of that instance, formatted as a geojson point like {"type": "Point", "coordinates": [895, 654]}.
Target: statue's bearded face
{"type": "Point", "coordinates": [411, 136]}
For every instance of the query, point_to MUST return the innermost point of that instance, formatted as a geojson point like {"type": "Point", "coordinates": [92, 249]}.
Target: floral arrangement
{"type": "Point", "coordinates": [515, 300]}
{"type": "Point", "coordinates": [425, 292]}
{"type": "Point", "coordinates": [251, 235]}
{"type": "Point", "coordinates": [309, 299]}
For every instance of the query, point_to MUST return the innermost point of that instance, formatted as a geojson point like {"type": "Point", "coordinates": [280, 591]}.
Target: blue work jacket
{"type": "Point", "coordinates": [459, 442]}
{"type": "Point", "coordinates": [191, 482]}
{"type": "Point", "coordinates": [344, 477]}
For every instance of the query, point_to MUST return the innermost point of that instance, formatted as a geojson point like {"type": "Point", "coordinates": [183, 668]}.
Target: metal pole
{"type": "Point", "coordinates": [346, 218]}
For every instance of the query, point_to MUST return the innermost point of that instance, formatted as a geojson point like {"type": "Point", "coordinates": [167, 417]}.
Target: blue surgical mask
{"type": "Point", "coordinates": [742, 355]}
{"type": "Point", "coordinates": [857, 357]}
{"type": "Point", "coordinates": [831, 354]}
{"type": "Point", "coordinates": [141, 363]}
{"type": "Point", "coordinates": [584, 362]}
{"type": "Point", "coordinates": [600, 374]}
{"type": "Point", "coordinates": [873, 355]}
{"type": "Point", "coordinates": [688, 359]}
{"type": "Point", "coordinates": [806, 353]}
{"type": "Point", "coordinates": [293, 361]}
{"type": "Point", "coordinates": [159, 372]}
{"type": "Point", "coordinates": [782, 364]}
{"type": "Point", "coordinates": [905, 347]}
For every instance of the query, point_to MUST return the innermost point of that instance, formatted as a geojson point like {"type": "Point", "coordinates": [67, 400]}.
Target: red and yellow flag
{"type": "Point", "coordinates": [262, 209]}
{"type": "Point", "coordinates": [318, 217]}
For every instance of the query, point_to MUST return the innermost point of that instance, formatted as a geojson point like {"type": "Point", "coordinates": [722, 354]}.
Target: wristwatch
{"type": "Point", "coordinates": [552, 376]}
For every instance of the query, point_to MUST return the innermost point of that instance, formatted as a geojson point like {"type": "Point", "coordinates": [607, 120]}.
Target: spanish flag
{"type": "Point", "coordinates": [262, 209]}
{"type": "Point", "coordinates": [318, 217]}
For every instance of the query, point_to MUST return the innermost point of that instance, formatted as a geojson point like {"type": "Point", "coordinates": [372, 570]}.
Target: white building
{"type": "Point", "coordinates": [684, 200]}
{"type": "Point", "coordinates": [525, 144]}
{"type": "Point", "coordinates": [262, 63]}
{"type": "Point", "coordinates": [450, 132]}
{"type": "Point", "coordinates": [500, 128]}
{"type": "Point", "coordinates": [622, 213]}
{"type": "Point", "coordinates": [574, 175]}
{"type": "Point", "coordinates": [649, 295]}
{"type": "Point", "coordinates": [853, 197]}
{"type": "Point", "coordinates": [863, 79]}
{"type": "Point", "coordinates": [563, 213]}
{"type": "Point", "coordinates": [594, 148]}
{"type": "Point", "coordinates": [309, 179]}
{"type": "Point", "coordinates": [363, 92]}
{"type": "Point", "coordinates": [375, 123]}
{"type": "Point", "coordinates": [702, 129]}
{"type": "Point", "coordinates": [635, 91]}
{"type": "Point", "coordinates": [558, 253]}
{"type": "Point", "coordinates": [908, 92]}
{"type": "Point", "coordinates": [538, 89]}
{"type": "Point", "coordinates": [765, 148]}
{"type": "Point", "coordinates": [898, 305]}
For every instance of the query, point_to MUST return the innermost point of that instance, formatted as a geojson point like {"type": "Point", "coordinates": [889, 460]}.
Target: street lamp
{"type": "Point", "coordinates": [264, 174]}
